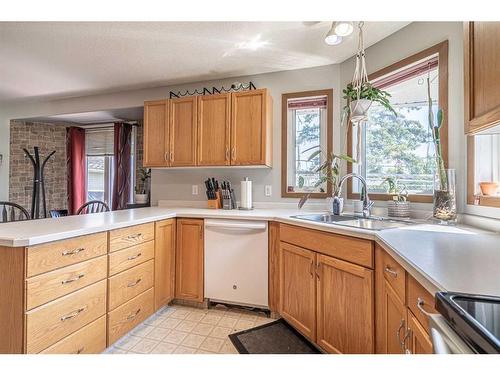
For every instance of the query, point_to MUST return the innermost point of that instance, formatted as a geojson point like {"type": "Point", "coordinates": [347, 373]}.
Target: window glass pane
{"type": "Point", "coordinates": [487, 163]}
{"type": "Point", "coordinates": [400, 146]}
{"type": "Point", "coordinates": [307, 119]}
{"type": "Point", "coordinates": [95, 178]}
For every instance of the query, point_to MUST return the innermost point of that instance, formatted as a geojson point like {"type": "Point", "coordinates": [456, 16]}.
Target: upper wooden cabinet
{"type": "Point", "coordinates": [482, 78]}
{"type": "Point", "coordinates": [211, 130]}
{"type": "Point", "coordinates": [183, 132]}
{"type": "Point", "coordinates": [189, 260]}
{"type": "Point", "coordinates": [251, 128]}
{"type": "Point", "coordinates": [156, 135]}
{"type": "Point", "coordinates": [214, 126]}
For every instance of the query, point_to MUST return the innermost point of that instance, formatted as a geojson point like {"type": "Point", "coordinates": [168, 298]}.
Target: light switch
{"type": "Point", "coordinates": [194, 189]}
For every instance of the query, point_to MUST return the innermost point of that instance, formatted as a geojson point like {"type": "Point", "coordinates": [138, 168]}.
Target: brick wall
{"type": "Point", "coordinates": [47, 137]}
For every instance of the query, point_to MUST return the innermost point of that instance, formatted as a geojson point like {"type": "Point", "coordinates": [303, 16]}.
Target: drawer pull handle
{"type": "Point", "coordinates": [398, 334]}
{"type": "Point", "coordinates": [134, 236]}
{"type": "Point", "coordinates": [134, 256]}
{"type": "Point", "coordinates": [132, 316]}
{"type": "Point", "coordinates": [391, 272]}
{"type": "Point", "coordinates": [407, 336]}
{"type": "Point", "coordinates": [73, 314]}
{"type": "Point", "coordinates": [80, 350]}
{"type": "Point", "coordinates": [76, 278]}
{"type": "Point", "coordinates": [134, 283]}
{"type": "Point", "coordinates": [72, 252]}
{"type": "Point", "coordinates": [420, 305]}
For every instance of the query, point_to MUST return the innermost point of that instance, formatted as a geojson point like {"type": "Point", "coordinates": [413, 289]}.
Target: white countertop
{"type": "Point", "coordinates": [459, 259]}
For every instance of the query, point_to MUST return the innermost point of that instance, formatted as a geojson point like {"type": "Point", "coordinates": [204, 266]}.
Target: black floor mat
{"type": "Point", "coordinates": [273, 338]}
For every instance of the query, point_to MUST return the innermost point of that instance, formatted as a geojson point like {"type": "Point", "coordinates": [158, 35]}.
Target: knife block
{"type": "Point", "coordinates": [215, 203]}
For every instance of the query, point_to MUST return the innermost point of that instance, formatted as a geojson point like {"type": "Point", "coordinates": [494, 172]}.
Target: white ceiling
{"type": "Point", "coordinates": [94, 117]}
{"type": "Point", "coordinates": [64, 59]}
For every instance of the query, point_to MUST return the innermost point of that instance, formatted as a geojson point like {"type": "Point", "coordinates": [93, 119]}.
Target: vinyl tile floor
{"type": "Point", "coordinates": [187, 330]}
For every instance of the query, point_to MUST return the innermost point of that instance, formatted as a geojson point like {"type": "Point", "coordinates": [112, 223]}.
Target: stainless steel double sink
{"type": "Point", "coordinates": [371, 223]}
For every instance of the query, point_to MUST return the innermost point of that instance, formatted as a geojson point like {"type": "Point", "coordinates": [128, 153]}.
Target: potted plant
{"type": "Point", "coordinates": [360, 99]}
{"type": "Point", "coordinates": [398, 205]}
{"type": "Point", "coordinates": [330, 172]}
{"type": "Point", "coordinates": [141, 193]}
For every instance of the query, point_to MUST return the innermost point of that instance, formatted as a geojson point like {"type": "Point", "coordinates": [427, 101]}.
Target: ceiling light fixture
{"type": "Point", "coordinates": [343, 28]}
{"type": "Point", "coordinates": [331, 37]}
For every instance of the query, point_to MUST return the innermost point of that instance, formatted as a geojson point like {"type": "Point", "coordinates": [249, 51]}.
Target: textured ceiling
{"type": "Point", "coordinates": [64, 59]}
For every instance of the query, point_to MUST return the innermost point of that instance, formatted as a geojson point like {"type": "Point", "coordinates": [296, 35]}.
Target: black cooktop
{"type": "Point", "coordinates": [475, 318]}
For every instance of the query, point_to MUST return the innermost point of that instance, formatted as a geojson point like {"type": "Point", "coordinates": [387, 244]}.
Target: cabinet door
{"type": "Point", "coordinates": [251, 121]}
{"type": "Point", "coordinates": [482, 80]}
{"type": "Point", "coordinates": [156, 137]}
{"type": "Point", "coordinates": [418, 341]}
{"type": "Point", "coordinates": [344, 306]}
{"type": "Point", "coordinates": [392, 321]}
{"type": "Point", "coordinates": [298, 288]}
{"type": "Point", "coordinates": [183, 132]}
{"type": "Point", "coordinates": [214, 124]}
{"type": "Point", "coordinates": [189, 260]}
{"type": "Point", "coordinates": [164, 262]}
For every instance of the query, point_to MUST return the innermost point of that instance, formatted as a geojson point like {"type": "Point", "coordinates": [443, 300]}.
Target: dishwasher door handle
{"type": "Point", "coordinates": [235, 225]}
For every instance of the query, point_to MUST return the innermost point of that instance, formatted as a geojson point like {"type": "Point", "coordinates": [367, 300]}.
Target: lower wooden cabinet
{"type": "Point", "coordinates": [344, 306]}
{"type": "Point", "coordinates": [417, 338]}
{"type": "Point", "coordinates": [189, 260]}
{"type": "Point", "coordinates": [391, 325]}
{"type": "Point", "coordinates": [330, 301]}
{"type": "Point", "coordinates": [298, 288]}
{"type": "Point", "coordinates": [164, 262]}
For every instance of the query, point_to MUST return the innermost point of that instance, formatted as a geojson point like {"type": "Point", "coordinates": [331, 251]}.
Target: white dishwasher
{"type": "Point", "coordinates": [236, 262]}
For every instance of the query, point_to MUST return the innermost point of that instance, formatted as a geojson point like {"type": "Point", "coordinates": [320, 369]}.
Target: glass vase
{"type": "Point", "coordinates": [444, 198]}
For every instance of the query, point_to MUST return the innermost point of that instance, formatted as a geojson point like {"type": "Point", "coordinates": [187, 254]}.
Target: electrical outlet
{"type": "Point", "coordinates": [194, 189]}
{"type": "Point", "coordinates": [268, 190]}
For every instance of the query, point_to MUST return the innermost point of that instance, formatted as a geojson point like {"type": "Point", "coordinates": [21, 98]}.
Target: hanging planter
{"type": "Point", "coordinates": [358, 110]}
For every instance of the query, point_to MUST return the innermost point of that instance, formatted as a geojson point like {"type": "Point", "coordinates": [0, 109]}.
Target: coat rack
{"type": "Point", "coordinates": [38, 182]}
{"type": "Point", "coordinates": [214, 90]}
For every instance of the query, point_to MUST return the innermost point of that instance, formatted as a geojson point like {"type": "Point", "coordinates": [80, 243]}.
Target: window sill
{"type": "Point", "coordinates": [486, 201]}
{"type": "Point", "coordinates": [387, 197]}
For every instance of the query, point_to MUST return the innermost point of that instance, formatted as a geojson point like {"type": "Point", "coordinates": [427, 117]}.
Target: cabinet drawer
{"type": "Point", "coordinates": [130, 314]}
{"type": "Point", "coordinates": [130, 283]}
{"type": "Point", "coordinates": [394, 274]}
{"type": "Point", "coordinates": [51, 285]}
{"type": "Point", "coordinates": [53, 255]}
{"type": "Point", "coordinates": [417, 294]}
{"type": "Point", "coordinates": [50, 323]}
{"type": "Point", "coordinates": [130, 236]}
{"type": "Point", "coordinates": [354, 250]}
{"type": "Point", "coordinates": [124, 259]}
{"type": "Point", "coordinates": [90, 339]}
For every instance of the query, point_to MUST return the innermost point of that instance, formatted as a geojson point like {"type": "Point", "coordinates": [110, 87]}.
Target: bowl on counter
{"type": "Point", "coordinates": [489, 188]}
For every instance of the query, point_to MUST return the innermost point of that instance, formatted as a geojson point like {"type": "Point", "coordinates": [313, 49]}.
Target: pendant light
{"type": "Point", "coordinates": [343, 28]}
{"type": "Point", "coordinates": [332, 38]}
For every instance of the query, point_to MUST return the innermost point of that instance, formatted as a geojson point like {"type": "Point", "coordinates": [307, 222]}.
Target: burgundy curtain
{"type": "Point", "coordinates": [75, 154]}
{"type": "Point", "coordinates": [121, 186]}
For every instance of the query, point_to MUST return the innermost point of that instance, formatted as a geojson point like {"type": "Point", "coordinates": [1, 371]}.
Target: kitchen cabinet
{"type": "Point", "coordinates": [251, 128]}
{"type": "Point", "coordinates": [189, 260]}
{"type": "Point", "coordinates": [298, 288]}
{"type": "Point", "coordinates": [481, 78]}
{"type": "Point", "coordinates": [164, 262]}
{"type": "Point", "coordinates": [214, 126]}
{"type": "Point", "coordinates": [183, 132]}
{"type": "Point", "coordinates": [418, 340]}
{"type": "Point", "coordinates": [391, 325]}
{"type": "Point", "coordinates": [156, 133]}
{"type": "Point", "coordinates": [344, 306]}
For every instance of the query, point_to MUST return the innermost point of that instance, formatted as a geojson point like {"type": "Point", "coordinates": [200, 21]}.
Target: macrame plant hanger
{"type": "Point", "coordinates": [359, 79]}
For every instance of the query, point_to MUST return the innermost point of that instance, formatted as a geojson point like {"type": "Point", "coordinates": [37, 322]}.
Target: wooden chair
{"type": "Point", "coordinates": [92, 207]}
{"type": "Point", "coordinates": [12, 212]}
{"type": "Point", "coordinates": [58, 213]}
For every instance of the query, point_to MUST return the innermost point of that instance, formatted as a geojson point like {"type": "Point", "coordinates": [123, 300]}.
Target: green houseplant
{"type": "Point", "coordinates": [330, 172]}
{"type": "Point", "coordinates": [398, 205]}
{"type": "Point", "coordinates": [141, 191]}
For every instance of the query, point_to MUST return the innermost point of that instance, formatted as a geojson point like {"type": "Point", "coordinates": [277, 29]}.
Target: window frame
{"type": "Point", "coordinates": [284, 139]}
{"type": "Point", "coordinates": [441, 49]}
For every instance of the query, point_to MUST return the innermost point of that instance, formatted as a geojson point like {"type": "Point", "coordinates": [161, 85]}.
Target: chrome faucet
{"type": "Point", "coordinates": [367, 204]}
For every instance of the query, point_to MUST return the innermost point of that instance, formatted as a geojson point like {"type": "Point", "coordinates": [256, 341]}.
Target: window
{"type": "Point", "coordinates": [484, 168]}
{"type": "Point", "coordinates": [99, 144]}
{"type": "Point", "coordinates": [401, 146]}
{"type": "Point", "coordinates": [306, 128]}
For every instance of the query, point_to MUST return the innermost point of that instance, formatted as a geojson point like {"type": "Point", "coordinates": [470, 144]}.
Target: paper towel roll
{"type": "Point", "coordinates": [246, 194]}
